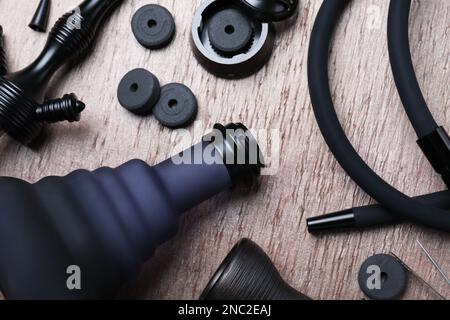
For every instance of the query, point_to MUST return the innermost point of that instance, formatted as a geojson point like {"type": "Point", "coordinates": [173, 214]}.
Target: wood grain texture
{"type": "Point", "coordinates": [309, 182]}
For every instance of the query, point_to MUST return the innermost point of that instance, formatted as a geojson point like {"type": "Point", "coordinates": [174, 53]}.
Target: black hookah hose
{"type": "Point", "coordinates": [396, 202]}
{"type": "Point", "coordinates": [433, 139]}
{"type": "Point", "coordinates": [403, 69]}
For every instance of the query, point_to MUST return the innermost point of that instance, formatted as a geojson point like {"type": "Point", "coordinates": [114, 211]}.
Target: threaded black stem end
{"type": "Point", "coordinates": [2, 55]}
{"type": "Point", "coordinates": [241, 153]}
{"type": "Point", "coordinates": [68, 108]}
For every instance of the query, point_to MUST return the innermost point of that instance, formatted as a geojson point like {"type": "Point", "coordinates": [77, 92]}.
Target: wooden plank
{"type": "Point", "coordinates": [309, 182]}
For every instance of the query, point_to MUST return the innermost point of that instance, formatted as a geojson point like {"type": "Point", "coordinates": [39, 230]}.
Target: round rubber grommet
{"type": "Point", "coordinates": [139, 91]}
{"type": "Point", "coordinates": [153, 26]}
{"type": "Point", "coordinates": [230, 31]}
{"type": "Point", "coordinates": [382, 277]}
{"type": "Point", "coordinates": [177, 106]}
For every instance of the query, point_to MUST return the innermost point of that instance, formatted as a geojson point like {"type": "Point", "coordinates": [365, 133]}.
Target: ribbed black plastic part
{"type": "Point", "coordinates": [2, 54]}
{"type": "Point", "coordinates": [76, 41]}
{"type": "Point", "coordinates": [18, 122]}
{"type": "Point", "coordinates": [68, 108]}
{"type": "Point", "coordinates": [436, 147]}
{"type": "Point", "coordinates": [247, 273]}
{"type": "Point", "coordinates": [241, 153]}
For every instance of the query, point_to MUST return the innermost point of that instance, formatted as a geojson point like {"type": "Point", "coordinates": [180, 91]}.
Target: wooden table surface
{"type": "Point", "coordinates": [308, 181]}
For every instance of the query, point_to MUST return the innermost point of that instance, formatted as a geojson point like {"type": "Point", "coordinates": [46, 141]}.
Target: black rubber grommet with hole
{"type": "Point", "coordinates": [177, 106]}
{"type": "Point", "coordinates": [153, 26]}
{"type": "Point", "coordinates": [230, 31]}
{"type": "Point", "coordinates": [383, 277]}
{"type": "Point", "coordinates": [139, 91]}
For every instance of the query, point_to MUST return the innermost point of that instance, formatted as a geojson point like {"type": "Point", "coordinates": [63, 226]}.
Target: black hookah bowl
{"type": "Point", "coordinates": [248, 274]}
{"type": "Point", "coordinates": [23, 108]}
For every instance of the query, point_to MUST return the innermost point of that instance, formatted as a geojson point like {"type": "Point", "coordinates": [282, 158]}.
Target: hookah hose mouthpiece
{"type": "Point", "coordinates": [108, 222]}
{"type": "Point", "coordinates": [247, 273]}
{"type": "Point", "coordinates": [22, 109]}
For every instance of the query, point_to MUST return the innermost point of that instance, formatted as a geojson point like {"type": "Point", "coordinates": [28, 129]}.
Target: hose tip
{"type": "Point", "coordinates": [40, 18]}
{"type": "Point", "coordinates": [333, 221]}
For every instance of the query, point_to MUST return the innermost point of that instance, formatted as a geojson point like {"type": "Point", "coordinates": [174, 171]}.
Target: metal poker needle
{"type": "Point", "coordinates": [435, 264]}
